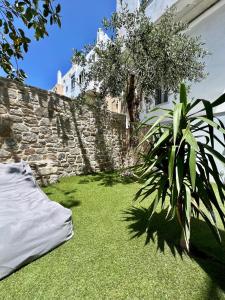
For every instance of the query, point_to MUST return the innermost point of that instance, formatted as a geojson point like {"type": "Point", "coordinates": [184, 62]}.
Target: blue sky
{"type": "Point", "coordinates": [80, 21]}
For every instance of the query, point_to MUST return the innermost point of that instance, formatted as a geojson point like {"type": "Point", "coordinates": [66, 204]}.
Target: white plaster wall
{"type": "Point", "coordinates": [132, 4]}
{"type": "Point", "coordinates": [154, 10]}
{"type": "Point", "coordinates": [211, 28]}
{"type": "Point", "coordinates": [66, 81]}
{"type": "Point", "coordinates": [157, 8]}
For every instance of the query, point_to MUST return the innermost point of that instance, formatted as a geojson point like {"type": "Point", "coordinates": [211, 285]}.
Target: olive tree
{"type": "Point", "coordinates": [142, 57]}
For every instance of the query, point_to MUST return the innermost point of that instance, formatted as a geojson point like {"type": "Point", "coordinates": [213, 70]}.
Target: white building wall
{"type": "Point", "coordinates": [76, 70]}
{"type": "Point", "coordinates": [131, 4]}
{"type": "Point", "coordinates": [66, 82]}
{"type": "Point", "coordinates": [207, 19]}
{"type": "Point", "coordinates": [186, 10]}
{"type": "Point", "coordinates": [157, 8]}
{"type": "Point", "coordinates": [209, 23]}
{"type": "Point", "coordinates": [211, 27]}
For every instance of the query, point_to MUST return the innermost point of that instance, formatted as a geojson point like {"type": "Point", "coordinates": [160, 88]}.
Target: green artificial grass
{"type": "Point", "coordinates": [112, 257]}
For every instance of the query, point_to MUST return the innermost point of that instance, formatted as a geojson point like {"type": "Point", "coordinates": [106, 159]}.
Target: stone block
{"type": "Point", "coordinates": [41, 151]}
{"type": "Point", "coordinates": [3, 110]}
{"type": "Point", "coordinates": [47, 170]}
{"type": "Point", "coordinates": [11, 143]}
{"type": "Point", "coordinates": [16, 111]}
{"type": "Point", "coordinates": [4, 154]}
{"type": "Point", "coordinates": [44, 122]}
{"type": "Point", "coordinates": [51, 156]}
{"type": "Point", "coordinates": [29, 137]}
{"type": "Point", "coordinates": [12, 94]}
{"type": "Point", "coordinates": [31, 121]}
{"type": "Point", "coordinates": [16, 119]}
{"type": "Point", "coordinates": [20, 127]}
{"type": "Point", "coordinates": [28, 112]}
{"type": "Point", "coordinates": [53, 179]}
{"type": "Point", "coordinates": [41, 112]}
{"type": "Point", "coordinates": [61, 156]}
{"type": "Point", "coordinates": [30, 151]}
{"type": "Point", "coordinates": [34, 157]}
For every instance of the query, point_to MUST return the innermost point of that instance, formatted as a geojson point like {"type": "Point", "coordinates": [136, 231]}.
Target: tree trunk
{"type": "Point", "coordinates": [132, 106]}
{"type": "Point", "coordinates": [184, 244]}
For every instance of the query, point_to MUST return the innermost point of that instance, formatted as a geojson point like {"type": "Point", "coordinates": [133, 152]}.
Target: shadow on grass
{"type": "Point", "coordinates": [167, 233]}
{"type": "Point", "coordinates": [108, 179]}
{"type": "Point", "coordinates": [205, 250]}
{"type": "Point", "coordinates": [66, 197]}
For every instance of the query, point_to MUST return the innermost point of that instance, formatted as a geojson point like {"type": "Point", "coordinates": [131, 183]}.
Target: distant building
{"type": "Point", "coordinates": [70, 84]}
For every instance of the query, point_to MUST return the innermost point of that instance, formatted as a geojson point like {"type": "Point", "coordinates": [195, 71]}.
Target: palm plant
{"type": "Point", "coordinates": [179, 166]}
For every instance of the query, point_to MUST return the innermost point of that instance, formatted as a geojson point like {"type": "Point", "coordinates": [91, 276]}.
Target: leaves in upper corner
{"type": "Point", "coordinates": [34, 14]}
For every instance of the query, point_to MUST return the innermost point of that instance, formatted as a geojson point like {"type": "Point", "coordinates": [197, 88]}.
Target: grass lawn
{"type": "Point", "coordinates": [103, 261]}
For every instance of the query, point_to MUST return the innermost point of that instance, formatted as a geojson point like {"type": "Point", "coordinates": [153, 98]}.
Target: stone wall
{"type": "Point", "coordinates": [55, 135]}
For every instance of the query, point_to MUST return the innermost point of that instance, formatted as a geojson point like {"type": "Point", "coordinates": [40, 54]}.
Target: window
{"type": "Point", "coordinates": [161, 97]}
{"type": "Point", "coordinates": [73, 81]}
{"type": "Point", "coordinates": [66, 89]}
{"type": "Point", "coordinates": [81, 77]}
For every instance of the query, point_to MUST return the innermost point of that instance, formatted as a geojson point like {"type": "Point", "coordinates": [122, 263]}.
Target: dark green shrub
{"type": "Point", "coordinates": [179, 165]}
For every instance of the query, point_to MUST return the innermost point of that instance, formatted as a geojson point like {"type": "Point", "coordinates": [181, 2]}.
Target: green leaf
{"type": "Point", "coordinates": [214, 152]}
{"type": "Point", "coordinates": [156, 161]}
{"type": "Point", "coordinates": [58, 8]}
{"type": "Point", "coordinates": [212, 123]}
{"type": "Point", "coordinates": [162, 138]}
{"type": "Point", "coordinates": [176, 120]}
{"type": "Point", "coordinates": [158, 196]}
{"type": "Point", "coordinates": [187, 209]}
{"type": "Point", "coordinates": [9, 15]}
{"type": "Point", "coordinates": [209, 114]}
{"type": "Point", "coordinates": [173, 198]}
{"type": "Point", "coordinates": [215, 174]}
{"type": "Point", "coordinates": [155, 127]}
{"type": "Point", "coordinates": [6, 28]}
{"type": "Point", "coordinates": [149, 134]}
{"type": "Point", "coordinates": [171, 163]}
{"type": "Point", "coordinates": [179, 173]}
{"type": "Point", "coordinates": [45, 13]}
{"type": "Point", "coordinates": [192, 166]}
{"type": "Point", "coordinates": [190, 139]}
{"type": "Point", "coordinates": [148, 192]}
{"type": "Point", "coordinates": [195, 103]}
{"type": "Point", "coordinates": [29, 13]}
{"type": "Point", "coordinates": [183, 96]}
{"type": "Point", "coordinates": [219, 101]}
{"type": "Point", "coordinates": [214, 200]}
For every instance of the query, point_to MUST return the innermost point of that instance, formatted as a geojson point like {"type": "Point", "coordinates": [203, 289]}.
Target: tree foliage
{"type": "Point", "coordinates": [179, 164]}
{"type": "Point", "coordinates": [143, 57]}
{"type": "Point", "coordinates": [16, 17]}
